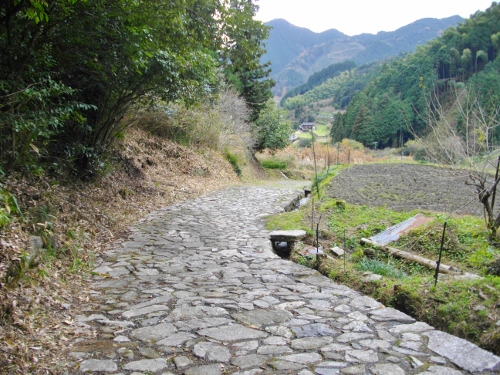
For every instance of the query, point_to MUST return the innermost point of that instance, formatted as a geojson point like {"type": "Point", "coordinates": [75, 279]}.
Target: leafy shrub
{"type": "Point", "coordinates": [234, 162]}
{"type": "Point", "coordinates": [8, 206]}
{"type": "Point", "coordinates": [416, 149]}
{"type": "Point", "coordinates": [305, 142]}
{"type": "Point", "coordinates": [351, 143]}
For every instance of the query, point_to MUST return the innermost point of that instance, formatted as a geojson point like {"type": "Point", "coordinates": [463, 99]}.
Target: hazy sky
{"type": "Point", "coordinates": [353, 17]}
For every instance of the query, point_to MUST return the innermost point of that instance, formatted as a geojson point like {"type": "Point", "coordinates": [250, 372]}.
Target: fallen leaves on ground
{"type": "Point", "coordinates": [80, 220]}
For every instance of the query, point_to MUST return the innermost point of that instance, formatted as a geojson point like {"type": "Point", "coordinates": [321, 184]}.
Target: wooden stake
{"type": "Point", "coordinates": [438, 263]}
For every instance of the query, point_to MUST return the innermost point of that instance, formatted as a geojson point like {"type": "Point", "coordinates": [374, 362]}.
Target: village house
{"type": "Point", "coordinates": [306, 126]}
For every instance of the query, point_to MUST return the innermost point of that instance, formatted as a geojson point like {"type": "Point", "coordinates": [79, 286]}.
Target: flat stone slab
{"type": "Point", "coordinates": [287, 235]}
{"type": "Point", "coordinates": [204, 370]}
{"type": "Point", "coordinates": [249, 361]}
{"type": "Point", "coordinates": [387, 369]}
{"type": "Point", "coordinates": [389, 314]}
{"type": "Point", "coordinates": [95, 365]}
{"type": "Point", "coordinates": [263, 318]}
{"type": "Point", "coordinates": [314, 330]}
{"type": "Point", "coordinates": [152, 365]}
{"type": "Point", "coordinates": [337, 251]}
{"type": "Point", "coordinates": [144, 311]}
{"type": "Point", "coordinates": [153, 333]}
{"type": "Point", "coordinates": [176, 339]}
{"type": "Point", "coordinates": [462, 353]}
{"type": "Point", "coordinates": [235, 332]}
{"type": "Point", "coordinates": [212, 352]}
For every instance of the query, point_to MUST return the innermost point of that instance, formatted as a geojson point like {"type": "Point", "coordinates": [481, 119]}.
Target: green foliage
{"type": "Point", "coordinates": [351, 143]}
{"type": "Point", "coordinates": [272, 130]}
{"type": "Point", "coordinates": [8, 207]}
{"type": "Point", "coordinates": [305, 142]}
{"type": "Point", "coordinates": [381, 268]}
{"type": "Point", "coordinates": [393, 105]}
{"type": "Point", "coordinates": [362, 221]}
{"type": "Point", "coordinates": [287, 221]}
{"type": "Point", "coordinates": [341, 89]}
{"type": "Point", "coordinates": [323, 179]}
{"type": "Point", "coordinates": [234, 162]}
{"type": "Point", "coordinates": [242, 52]}
{"type": "Point", "coordinates": [18, 269]}
{"type": "Point", "coordinates": [318, 78]}
{"type": "Point", "coordinates": [466, 241]}
{"type": "Point", "coordinates": [274, 164]}
{"type": "Point", "coordinates": [72, 71]}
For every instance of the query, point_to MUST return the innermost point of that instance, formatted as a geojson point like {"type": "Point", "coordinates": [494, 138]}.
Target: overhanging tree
{"type": "Point", "coordinates": [242, 52]}
{"type": "Point", "coordinates": [78, 66]}
{"type": "Point", "coordinates": [272, 130]}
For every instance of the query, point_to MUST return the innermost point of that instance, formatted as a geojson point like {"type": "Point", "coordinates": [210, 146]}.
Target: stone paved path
{"type": "Point", "coordinates": [196, 289]}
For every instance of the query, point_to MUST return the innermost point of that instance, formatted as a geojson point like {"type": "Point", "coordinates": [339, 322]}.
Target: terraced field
{"type": "Point", "coordinates": [404, 187]}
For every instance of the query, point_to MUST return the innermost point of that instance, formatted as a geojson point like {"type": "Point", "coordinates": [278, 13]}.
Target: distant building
{"type": "Point", "coordinates": [305, 126]}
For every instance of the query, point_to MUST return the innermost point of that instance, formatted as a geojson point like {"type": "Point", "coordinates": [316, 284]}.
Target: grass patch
{"type": "Point", "coordinates": [321, 131]}
{"type": "Point", "coordinates": [274, 164]}
{"type": "Point", "coordinates": [381, 268]}
{"type": "Point", "coordinates": [325, 177]}
{"type": "Point", "coordinates": [233, 160]}
{"type": "Point", "coordinates": [303, 135]}
{"type": "Point", "coordinates": [287, 221]}
{"type": "Point", "coordinates": [466, 242]}
{"type": "Point", "coordinates": [360, 221]}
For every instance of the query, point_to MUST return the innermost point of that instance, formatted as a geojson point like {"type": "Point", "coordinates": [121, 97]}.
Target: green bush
{"type": "Point", "coordinates": [305, 142]}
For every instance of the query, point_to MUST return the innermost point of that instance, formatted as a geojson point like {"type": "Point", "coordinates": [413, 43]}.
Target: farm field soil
{"type": "Point", "coordinates": [405, 187]}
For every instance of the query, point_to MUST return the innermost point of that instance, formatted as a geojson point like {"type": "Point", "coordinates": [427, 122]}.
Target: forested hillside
{"type": "Point", "coordinates": [296, 53]}
{"type": "Point", "coordinates": [340, 88]}
{"type": "Point", "coordinates": [318, 78]}
{"type": "Point", "coordinates": [461, 67]}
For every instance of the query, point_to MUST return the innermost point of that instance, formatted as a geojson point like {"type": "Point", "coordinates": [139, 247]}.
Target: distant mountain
{"type": "Point", "coordinates": [296, 53]}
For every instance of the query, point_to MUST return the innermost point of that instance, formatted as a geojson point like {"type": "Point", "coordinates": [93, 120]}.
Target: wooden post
{"type": "Point", "coordinates": [438, 263]}
{"type": "Point", "coordinates": [312, 213]}
{"type": "Point", "coordinates": [344, 250]}
{"type": "Point", "coordinates": [317, 241]}
{"type": "Point", "coordinates": [495, 190]}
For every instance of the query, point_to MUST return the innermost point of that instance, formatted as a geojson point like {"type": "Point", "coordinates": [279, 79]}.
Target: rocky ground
{"type": "Point", "coordinates": [195, 289]}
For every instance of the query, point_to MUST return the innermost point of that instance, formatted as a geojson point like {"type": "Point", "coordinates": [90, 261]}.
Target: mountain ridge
{"type": "Point", "coordinates": [297, 52]}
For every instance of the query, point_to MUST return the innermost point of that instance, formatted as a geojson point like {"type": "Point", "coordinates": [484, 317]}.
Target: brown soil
{"type": "Point", "coordinates": [405, 187]}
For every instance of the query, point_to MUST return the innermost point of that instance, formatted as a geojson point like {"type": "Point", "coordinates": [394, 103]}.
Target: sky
{"type": "Point", "coordinates": [354, 17]}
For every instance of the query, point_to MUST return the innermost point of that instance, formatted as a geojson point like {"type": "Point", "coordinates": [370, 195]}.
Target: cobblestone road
{"type": "Point", "coordinates": [196, 289]}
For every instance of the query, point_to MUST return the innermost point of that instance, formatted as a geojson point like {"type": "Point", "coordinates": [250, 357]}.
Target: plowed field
{"type": "Point", "coordinates": [404, 187]}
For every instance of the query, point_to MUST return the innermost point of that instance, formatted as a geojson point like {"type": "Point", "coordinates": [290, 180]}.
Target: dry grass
{"type": "Point", "coordinates": [37, 311]}
{"type": "Point", "coordinates": [300, 161]}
